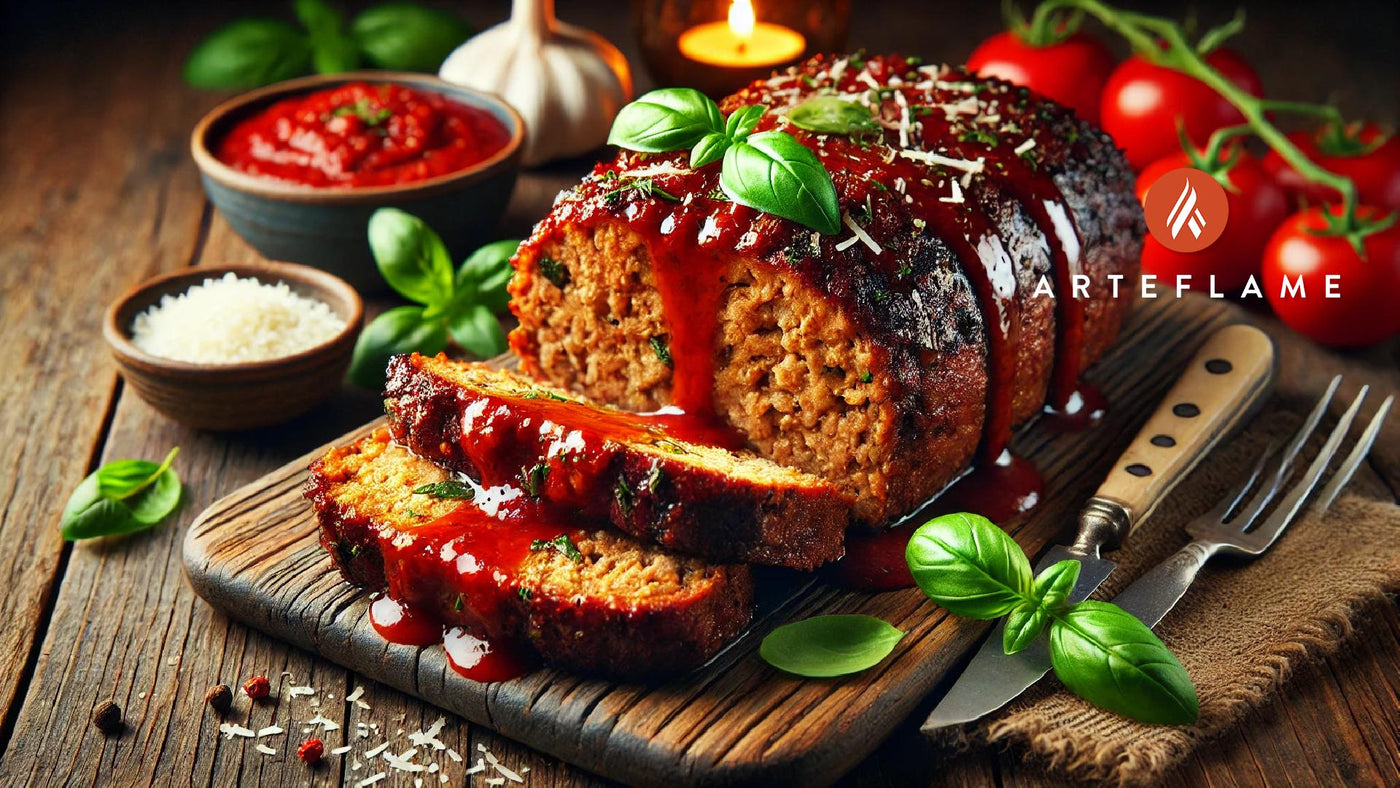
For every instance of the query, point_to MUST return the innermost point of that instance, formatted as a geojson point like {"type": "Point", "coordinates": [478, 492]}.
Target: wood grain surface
{"type": "Point", "coordinates": [97, 194]}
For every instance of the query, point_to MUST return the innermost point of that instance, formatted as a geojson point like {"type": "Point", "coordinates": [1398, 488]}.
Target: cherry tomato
{"type": "Point", "coordinates": [1257, 206]}
{"type": "Point", "coordinates": [1072, 72]}
{"type": "Point", "coordinates": [1376, 172]}
{"type": "Point", "coordinates": [1142, 101]}
{"type": "Point", "coordinates": [1366, 309]}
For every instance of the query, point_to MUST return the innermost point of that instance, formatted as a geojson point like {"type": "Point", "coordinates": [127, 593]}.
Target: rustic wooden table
{"type": "Point", "coordinates": [97, 193]}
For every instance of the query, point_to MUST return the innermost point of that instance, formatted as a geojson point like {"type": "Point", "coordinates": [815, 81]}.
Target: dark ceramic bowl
{"type": "Point", "coordinates": [325, 227]}
{"type": "Point", "coordinates": [243, 395]}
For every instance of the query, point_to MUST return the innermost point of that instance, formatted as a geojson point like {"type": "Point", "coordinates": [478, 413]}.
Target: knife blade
{"type": "Point", "coordinates": [1225, 380]}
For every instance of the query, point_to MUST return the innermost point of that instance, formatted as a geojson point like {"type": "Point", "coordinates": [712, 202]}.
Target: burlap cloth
{"type": "Point", "coordinates": [1242, 627]}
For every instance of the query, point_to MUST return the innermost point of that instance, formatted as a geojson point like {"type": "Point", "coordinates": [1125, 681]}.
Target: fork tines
{"type": "Point", "coordinates": [1275, 468]}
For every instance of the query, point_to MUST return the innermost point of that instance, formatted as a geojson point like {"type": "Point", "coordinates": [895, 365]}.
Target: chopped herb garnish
{"type": "Point", "coordinates": [449, 489]}
{"type": "Point", "coordinates": [362, 110]}
{"type": "Point", "coordinates": [662, 350]}
{"type": "Point", "coordinates": [542, 394]}
{"type": "Point", "coordinates": [866, 376]}
{"type": "Point", "coordinates": [653, 479]}
{"type": "Point", "coordinates": [457, 606]}
{"type": "Point", "coordinates": [979, 135]}
{"type": "Point", "coordinates": [560, 543]}
{"type": "Point", "coordinates": [524, 593]}
{"type": "Point", "coordinates": [555, 272]}
{"type": "Point", "coordinates": [624, 496]}
{"type": "Point", "coordinates": [532, 478]}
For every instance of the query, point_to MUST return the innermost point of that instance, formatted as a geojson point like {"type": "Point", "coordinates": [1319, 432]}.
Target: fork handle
{"type": "Point", "coordinates": [1224, 380]}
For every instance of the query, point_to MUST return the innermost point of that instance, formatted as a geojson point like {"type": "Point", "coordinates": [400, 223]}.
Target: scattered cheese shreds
{"type": "Point", "coordinates": [271, 730]}
{"type": "Point", "coordinates": [356, 695]}
{"type": "Point", "coordinates": [266, 750]}
{"type": "Point", "coordinates": [861, 234]}
{"type": "Point", "coordinates": [341, 750]}
{"type": "Point", "coordinates": [374, 753]}
{"type": "Point", "coordinates": [293, 692]}
{"type": "Point", "coordinates": [495, 781]}
{"type": "Point", "coordinates": [362, 705]}
{"type": "Point", "coordinates": [454, 755]}
{"type": "Point", "coordinates": [478, 768]}
{"type": "Point", "coordinates": [957, 195]}
{"type": "Point", "coordinates": [1025, 146]}
{"type": "Point", "coordinates": [230, 730]}
{"type": "Point", "coordinates": [929, 157]}
{"type": "Point", "coordinates": [328, 724]}
{"type": "Point", "coordinates": [372, 779]}
{"type": "Point", "coordinates": [509, 774]}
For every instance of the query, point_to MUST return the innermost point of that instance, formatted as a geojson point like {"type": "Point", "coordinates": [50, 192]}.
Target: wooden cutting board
{"type": "Point", "coordinates": [254, 556]}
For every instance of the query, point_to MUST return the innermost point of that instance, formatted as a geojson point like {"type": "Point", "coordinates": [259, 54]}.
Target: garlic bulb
{"type": "Point", "coordinates": [566, 82]}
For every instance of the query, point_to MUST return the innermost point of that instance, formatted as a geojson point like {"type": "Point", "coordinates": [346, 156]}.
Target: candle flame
{"type": "Point", "coordinates": [741, 18]}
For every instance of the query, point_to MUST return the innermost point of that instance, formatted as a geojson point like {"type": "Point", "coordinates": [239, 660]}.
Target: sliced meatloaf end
{"type": "Point", "coordinates": [881, 358]}
{"type": "Point", "coordinates": [617, 607]}
{"type": "Point", "coordinates": [501, 428]}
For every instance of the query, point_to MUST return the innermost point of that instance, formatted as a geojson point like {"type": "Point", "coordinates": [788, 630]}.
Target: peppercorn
{"type": "Point", "coordinates": [107, 716]}
{"type": "Point", "coordinates": [311, 751]}
{"type": "Point", "coordinates": [257, 687]}
{"type": "Point", "coordinates": [220, 697]}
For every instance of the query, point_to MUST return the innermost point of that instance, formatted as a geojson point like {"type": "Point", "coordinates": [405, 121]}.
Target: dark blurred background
{"type": "Point", "coordinates": [1347, 51]}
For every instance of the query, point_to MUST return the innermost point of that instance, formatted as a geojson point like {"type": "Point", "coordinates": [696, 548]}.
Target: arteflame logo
{"type": "Point", "coordinates": [1186, 210]}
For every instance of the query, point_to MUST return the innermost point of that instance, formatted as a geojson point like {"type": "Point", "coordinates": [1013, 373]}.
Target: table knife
{"type": "Point", "coordinates": [1223, 382]}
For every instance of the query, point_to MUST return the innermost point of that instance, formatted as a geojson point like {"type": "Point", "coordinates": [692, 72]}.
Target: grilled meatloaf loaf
{"type": "Point", "coordinates": [501, 428]}
{"type": "Point", "coordinates": [972, 281]}
{"type": "Point", "coordinates": [595, 601]}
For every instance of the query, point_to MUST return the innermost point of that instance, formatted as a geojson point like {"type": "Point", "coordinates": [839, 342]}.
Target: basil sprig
{"type": "Point", "coordinates": [1098, 650]}
{"type": "Point", "coordinates": [122, 497]}
{"type": "Point", "coordinates": [259, 51]}
{"type": "Point", "coordinates": [827, 646]}
{"type": "Point", "coordinates": [832, 115]}
{"type": "Point", "coordinates": [770, 172]}
{"type": "Point", "coordinates": [460, 304]}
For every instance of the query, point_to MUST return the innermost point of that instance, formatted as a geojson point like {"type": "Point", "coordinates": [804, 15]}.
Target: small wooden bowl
{"type": "Point", "coordinates": [238, 396]}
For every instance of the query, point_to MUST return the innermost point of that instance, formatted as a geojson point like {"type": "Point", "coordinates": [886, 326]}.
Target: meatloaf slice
{"type": "Point", "coordinates": [987, 254]}
{"type": "Point", "coordinates": [499, 427]}
{"type": "Point", "coordinates": [616, 606]}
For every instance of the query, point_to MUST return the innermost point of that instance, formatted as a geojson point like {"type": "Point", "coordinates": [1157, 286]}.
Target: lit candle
{"type": "Point", "coordinates": [741, 42]}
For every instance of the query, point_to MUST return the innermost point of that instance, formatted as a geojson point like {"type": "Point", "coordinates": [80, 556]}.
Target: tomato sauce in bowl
{"type": "Point", "coordinates": [362, 135]}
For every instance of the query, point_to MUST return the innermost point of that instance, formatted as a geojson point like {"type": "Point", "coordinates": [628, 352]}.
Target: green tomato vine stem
{"type": "Point", "coordinates": [1163, 42]}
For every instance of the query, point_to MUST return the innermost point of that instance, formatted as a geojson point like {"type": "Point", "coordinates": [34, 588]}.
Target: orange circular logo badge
{"type": "Point", "coordinates": [1186, 210]}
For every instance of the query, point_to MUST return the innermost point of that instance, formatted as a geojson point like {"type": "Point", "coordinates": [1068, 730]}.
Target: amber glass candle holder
{"type": "Point", "coordinates": [718, 46]}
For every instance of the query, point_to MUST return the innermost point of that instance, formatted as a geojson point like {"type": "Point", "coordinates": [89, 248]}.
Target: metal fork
{"type": "Point", "coordinates": [1233, 526]}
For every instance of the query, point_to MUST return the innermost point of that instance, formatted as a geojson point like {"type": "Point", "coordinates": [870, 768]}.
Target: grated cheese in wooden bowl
{"type": "Point", "coordinates": [232, 320]}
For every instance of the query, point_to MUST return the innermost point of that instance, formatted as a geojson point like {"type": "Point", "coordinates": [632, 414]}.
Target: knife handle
{"type": "Point", "coordinates": [1226, 378]}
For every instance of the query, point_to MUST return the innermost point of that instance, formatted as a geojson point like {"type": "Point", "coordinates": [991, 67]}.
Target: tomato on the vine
{"type": "Point", "coordinates": [1257, 206]}
{"type": "Point", "coordinates": [1365, 154]}
{"type": "Point", "coordinates": [1142, 103]}
{"type": "Point", "coordinates": [1365, 306]}
{"type": "Point", "coordinates": [1071, 71]}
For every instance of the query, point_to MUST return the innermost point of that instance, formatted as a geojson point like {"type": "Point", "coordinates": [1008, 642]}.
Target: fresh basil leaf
{"type": "Point", "coordinates": [411, 257]}
{"type": "Point", "coordinates": [334, 54]}
{"type": "Point", "coordinates": [741, 121]}
{"type": "Point", "coordinates": [666, 120]}
{"type": "Point", "coordinates": [157, 501]}
{"type": "Point", "coordinates": [400, 330]}
{"type": "Point", "coordinates": [1048, 594]}
{"type": "Point", "coordinates": [127, 505]}
{"type": "Point", "coordinates": [477, 330]}
{"type": "Point", "coordinates": [488, 271]}
{"type": "Point", "coordinates": [774, 173]}
{"type": "Point", "coordinates": [448, 489]}
{"type": "Point", "coordinates": [826, 646]}
{"type": "Point", "coordinates": [709, 149]}
{"type": "Point", "coordinates": [408, 36]}
{"type": "Point", "coordinates": [247, 54]}
{"type": "Point", "coordinates": [969, 566]}
{"type": "Point", "coordinates": [1106, 656]}
{"type": "Point", "coordinates": [831, 115]}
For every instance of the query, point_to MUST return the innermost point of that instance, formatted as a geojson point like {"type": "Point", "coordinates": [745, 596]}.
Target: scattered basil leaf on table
{"type": "Point", "coordinates": [247, 54]}
{"type": "Point", "coordinates": [1106, 656]}
{"type": "Point", "coordinates": [459, 305]}
{"type": "Point", "coordinates": [408, 37]}
{"type": "Point", "coordinates": [666, 120]}
{"type": "Point", "coordinates": [122, 497]}
{"type": "Point", "coordinates": [832, 115]}
{"type": "Point", "coordinates": [969, 566]}
{"type": "Point", "coordinates": [826, 646]}
{"type": "Point", "coordinates": [1027, 620]}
